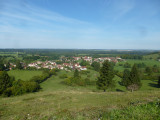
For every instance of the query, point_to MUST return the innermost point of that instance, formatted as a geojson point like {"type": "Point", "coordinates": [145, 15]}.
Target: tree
{"type": "Point", "coordinates": [76, 74]}
{"type": "Point", "coordinates": [84, 63]}
{"type": "Point", "coordinates": [75, 80]}
{"type": "Point", "coordinates": [19, 65]}
{"type": "Point", "coordinates": [155, 69]}
{"type": "Point", "coordinates": [126, 77]}
{"type": "Point", "coordinates": [134, 79]}
{"type": "Point", "coordinates": [127, 65]}
{"type": "Point", "coordinates": [7, 65]}
{"type": "Point", "coordinates": [148, 71]}
{"type": "Point", "coordinates": [96, 66]}
{"type": "Point", "coordinates": [2, 67]}
{"type": "Point", "coordinates": [5, 81]}
{"type": "Point", "coordinates": [105, 81]}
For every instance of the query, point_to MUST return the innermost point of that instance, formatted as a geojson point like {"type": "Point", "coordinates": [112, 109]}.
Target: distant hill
{"type": "Point", "coordinates": [155, 56]}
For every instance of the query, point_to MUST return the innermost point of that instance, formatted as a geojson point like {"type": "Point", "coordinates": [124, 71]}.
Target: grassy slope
{"type": "Point", "coordinates": [130, 61]}
{"type": "Point", "coordinates": [24, 74]}
{"type": "Point", "coordinates": [150, 111]}
{"type": "Point", "coordinates": [57, 100]}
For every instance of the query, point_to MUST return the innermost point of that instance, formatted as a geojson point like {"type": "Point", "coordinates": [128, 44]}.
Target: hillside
{"type": "Point", "coordinates": [59, 101]}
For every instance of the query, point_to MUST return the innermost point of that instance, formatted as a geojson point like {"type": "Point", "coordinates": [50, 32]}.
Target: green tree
{"type": "Point", "coordinates": [96, 66]}
{"type": "Point", "coordinates": [149, 71]}
{"type": "Point", "coordinates": [155, 69]}
{"type": "Point", "coordinates": [75, 80]}
{"type": "Point", "coordinates": [135, 81]}
{"type": "Point", "coordinates": [76, 74]}
{"type": "Point", "coordinates": [84, 63]}
{"type": "Point", "coordinates": [105, 80]}
{"type": "Point", "coordinates": [2, 67]}
{"type": "Point", "coordinates": [7, 65]}
{"type": "Point", "coordinates": [5, 81]}
{"type": "Point", "coordinates": [127, 65]}
{"type": "Point", "coordinates": [126, 78]}
{"type": "Point", "coordinates": [19, 65]}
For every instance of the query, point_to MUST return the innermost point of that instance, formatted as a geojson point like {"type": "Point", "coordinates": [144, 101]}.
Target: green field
{"type": "Point", "coordinates": [59, 101]}
{"type": "Point", "coordinates": [24, 74]}
{"type": "Point", "coordinates": [152, 56]}
{"type": "Point", "coordinates": [130, 61]}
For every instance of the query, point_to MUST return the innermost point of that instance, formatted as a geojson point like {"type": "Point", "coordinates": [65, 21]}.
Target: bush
{"type": "Point", "coordinates": [20, 87]}
{"type": "Point", "coordinates": [41, 78]}
{"type": "Point", "coordinates": [11, 87]}
{"type": "Point", "coordinates": [73, 81]}
{"type": "Point", "coordinates": [127, 65]}
{"type": "Point", "coordinates": [85, 72]}
{"type": "Point", "coordinates": [69, 81]}
{"type": "Point", "coordinates": [87, 81]}
{"type": "Point", "coordinates": [63, 76]}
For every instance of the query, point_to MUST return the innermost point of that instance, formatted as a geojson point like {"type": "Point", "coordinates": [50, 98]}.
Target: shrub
{"type": "Point", "coordinates": [20, 87]}
{"type": "Point", "coordinates": [63, 76]}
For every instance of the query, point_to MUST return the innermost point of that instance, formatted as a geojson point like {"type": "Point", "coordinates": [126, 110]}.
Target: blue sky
{"type": "Point", "coordinates": [81, 24]}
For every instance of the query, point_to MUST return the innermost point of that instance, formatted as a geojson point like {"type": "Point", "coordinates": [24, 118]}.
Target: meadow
{"type": "Point", "coordinates": [24, 74]}
{"type": "Point", "coordinates": [147, 62]}
{"type": "Point", "coordinates": [59, 101]}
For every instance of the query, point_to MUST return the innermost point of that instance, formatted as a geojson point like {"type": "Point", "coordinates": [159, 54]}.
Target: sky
{"type": "Point", "coordinates": [80, 24]}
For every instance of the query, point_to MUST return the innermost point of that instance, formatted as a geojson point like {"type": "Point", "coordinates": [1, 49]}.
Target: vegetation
{"type": "Point", "coordinates": [74, 94]}
{"type": "Point", "coordinates": [96, 66]}
{"type": "Point", "coordinates": [159, 81]}
{"type": "Point", "coordinates": [5, 81]}
{"type": "Point", "coordinates": [126, 77]}
{"type": "Point", "coordinates": [11, 87]}
{"type": "Point", "coordinates": [150, 111]}
{"type": "Point", "coordinates": [19, 65]}
{"type": "Point", "coordinates": [84, 63]}
{"type": "Point", "coordinates": [76, 79]}
{"type": "Point", "coordinates": [105, 81]}
{"type": "Point", "coordinates": [129, 56]}
{"type": "Point", "coordinates": [25, 75]}
{"type": "Point", "coordinates": [131, 80]}
{"type": "Point", "coordinates": [20, 87]}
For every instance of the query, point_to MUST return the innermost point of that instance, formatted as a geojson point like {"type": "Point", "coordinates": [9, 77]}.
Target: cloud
{"type": "Point", "coordinates": [116, 9]}
{"type": "Point", "coordinates": [30, 13]}
{"type": "Point", "coordinates": [122, 7]}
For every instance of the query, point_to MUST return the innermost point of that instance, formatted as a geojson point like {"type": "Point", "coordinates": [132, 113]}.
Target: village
{"type": "Point", "coordinates": [71, 63]}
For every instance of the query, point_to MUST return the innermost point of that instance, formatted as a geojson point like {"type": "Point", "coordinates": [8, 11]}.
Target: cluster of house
{"type": "Point", "coordinates": [71, 64]}
{"type": "Point", "coordinates": [110, 59]}
{"type": "Point", "coordinates": [53, 65]}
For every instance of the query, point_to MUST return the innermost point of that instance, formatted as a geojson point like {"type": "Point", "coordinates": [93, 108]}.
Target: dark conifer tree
{"type": "Point", "coordinates": [135, 81]}
{"type": "Point", "coordinates": [105, 81]}
{"type": "Point", "coordinates": [126, 78]}
{"type": "Point", "coordinates": [96, 66]}
{"type": "Point", "coordinates": [5, 81]}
